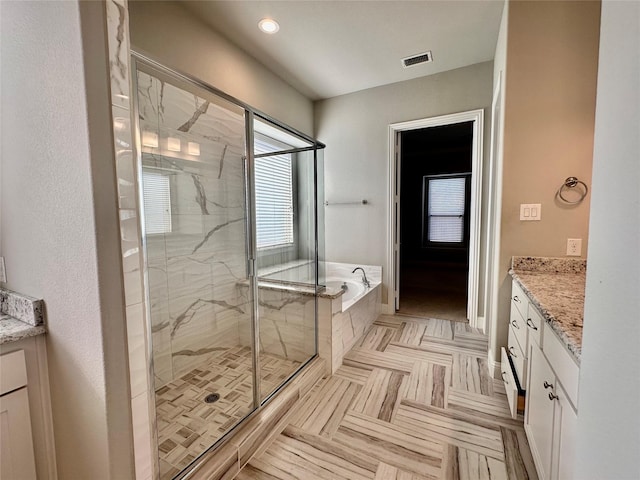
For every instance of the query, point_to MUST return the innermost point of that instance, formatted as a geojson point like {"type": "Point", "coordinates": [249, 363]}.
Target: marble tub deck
{"type": "Point", "coordinates": [556, 286]}
{"type": "Point", "coordinates": [413, 401]}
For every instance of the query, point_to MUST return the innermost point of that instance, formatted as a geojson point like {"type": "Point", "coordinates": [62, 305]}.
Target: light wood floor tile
{"type": "Point", "coordinates": [518, 459]}
{"type": "Point", "coordinates": [353, 374]}
{"type": "Point", "coordinates": [407, 449]}
{"type": "Point", "coordinates": [325, 410]}
{"type": "Point", "coordinates": [491, 408]}
{"type": "Point", "coordinates": [363, 460]}
{"type": "Point", "coordinates": [307, 459]}
{"type": "Point", "coordinates": [369, 359]}
{"type": "Point", "coordinates": [471, 374]}
{"type": "Point", "coordinates": [377, 338]}
{"type": "Point", "coordinates": [389, 472]}
{"type": "Point", "coordinates": [380, 394]}
{"type": "Point", "coordinates": [413, 401]}
{"type": "Point", "coordinates": [427, 422]}
{"type": "Point", "coordinates": [428, 384]}
{"type": "Point", "coordinates": [422, 354]}
{"type": "Point", "coordinates": [411, 333]}
{"type": "Point", "coordinates": [474, 466]}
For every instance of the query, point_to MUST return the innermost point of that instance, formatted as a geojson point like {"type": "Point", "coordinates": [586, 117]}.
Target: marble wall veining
{"type": "Point", "coordinates": [195, 264]}
{"type": "Point", "coordinates": [142, 408]}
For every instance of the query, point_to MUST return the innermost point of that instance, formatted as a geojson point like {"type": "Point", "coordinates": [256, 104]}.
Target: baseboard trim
{"type": "Point", "coordinates": [387, 309]}
{"type": "Point", "coordinates": [481, 325]}
{"type": "Point", "coordinates": [494, 367]}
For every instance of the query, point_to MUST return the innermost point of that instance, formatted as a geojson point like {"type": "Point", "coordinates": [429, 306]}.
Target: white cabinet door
{"type": "Point", "coordinates": [565, 424]}
{"type": "Point", "coordinates": [16, 444]}
{"type": "Point", "coordinates": [539, 414]}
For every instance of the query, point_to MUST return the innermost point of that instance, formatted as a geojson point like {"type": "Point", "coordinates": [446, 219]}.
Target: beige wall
{"type": "Point", "coordinates": [608, 431]}
{"type": "Point", "coordinates": [59, 225]}
{"type": "Point", "coordinates": [169, 33]}
{"type": "Point", "coordinates": [355, 130]}
{"type": "Point", "coordinates": [548, 133]}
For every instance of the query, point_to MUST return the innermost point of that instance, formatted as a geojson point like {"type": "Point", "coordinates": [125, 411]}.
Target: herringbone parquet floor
{"type": "Point", "coordinates": [413, 401]}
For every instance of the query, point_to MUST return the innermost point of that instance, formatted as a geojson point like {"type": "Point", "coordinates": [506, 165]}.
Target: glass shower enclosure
{"type": "Point", "coordinates": [229, 202]}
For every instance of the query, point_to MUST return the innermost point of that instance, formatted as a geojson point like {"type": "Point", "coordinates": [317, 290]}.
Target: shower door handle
{"type": "Point", "coordinates": [251, 267]}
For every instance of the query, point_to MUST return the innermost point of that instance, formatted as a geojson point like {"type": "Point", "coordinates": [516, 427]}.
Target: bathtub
{"type": "Point", "coordinates": [339, 273]}
{"type": "Point", "coordinates": [345, 316]}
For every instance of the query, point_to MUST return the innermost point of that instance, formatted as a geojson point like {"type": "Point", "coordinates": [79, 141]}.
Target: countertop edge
{"type": "Point", "coordinates": [574, 350]}
{"type": "Point", "coordinates": [13, 330]}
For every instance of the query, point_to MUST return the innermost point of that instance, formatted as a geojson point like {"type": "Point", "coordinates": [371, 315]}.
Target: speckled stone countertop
{"type": "Point", "coordinates": [21, 316]}
{"type": "Point", "coordinates": [556, 287]}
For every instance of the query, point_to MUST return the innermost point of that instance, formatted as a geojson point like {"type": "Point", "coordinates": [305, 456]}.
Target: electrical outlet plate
{"type": "Point", "coordinates": [530, 211]}
{"type": "Point", "coordinates": [574, 247]}
{"type": "Point", "coordinates": [3, 271]}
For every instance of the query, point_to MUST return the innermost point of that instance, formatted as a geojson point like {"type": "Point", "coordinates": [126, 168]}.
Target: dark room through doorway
{"type": "Point", "coordinates": [435, 188]}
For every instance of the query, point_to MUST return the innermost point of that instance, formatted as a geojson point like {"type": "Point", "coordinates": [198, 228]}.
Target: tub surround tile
{"type": "Point", "coordinates": [558, 293]}
{"type": "Point", "coordinates": [21, 316]}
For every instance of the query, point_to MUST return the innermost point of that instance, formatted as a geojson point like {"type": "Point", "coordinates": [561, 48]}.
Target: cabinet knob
{"type": "Point", "coordinates": [531, 324]}
{"type": "Point", "coordinates": [547, 384]}
{"type": "Point", "coordinates": [515, 324]}
{"type": "Point", "coordinates": [552, 397]}
{"type": "Point", "coordinates": [504, 379]}
{"type": "Point", "coordinates": [512, 353]}
{"type": "Point", "coordinates": [516, 299]}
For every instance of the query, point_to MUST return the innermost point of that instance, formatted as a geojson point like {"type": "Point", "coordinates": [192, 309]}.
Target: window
{"type": "Point", "coordinates": [444, 209]}
{"type": "Point", "coordinates": [157, 202]}
{"type": "Point", "coordinates": [274, 196]}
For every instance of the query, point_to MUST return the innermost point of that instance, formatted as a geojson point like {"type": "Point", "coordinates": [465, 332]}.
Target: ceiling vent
{"type": "Point", "coordinates": [417, 59]}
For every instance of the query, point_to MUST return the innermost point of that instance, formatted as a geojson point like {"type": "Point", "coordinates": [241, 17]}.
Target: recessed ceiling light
{"type": "Point", "coordinates": [268, 25]}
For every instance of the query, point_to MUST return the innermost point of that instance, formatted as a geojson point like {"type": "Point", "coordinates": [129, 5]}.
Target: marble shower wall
{"type": "Point", "coordinates": [195, 264]}
{"type": "Point", "coordinates": [142, 404]}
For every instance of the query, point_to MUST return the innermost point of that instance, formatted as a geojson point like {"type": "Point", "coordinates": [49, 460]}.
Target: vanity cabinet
{"type": "Point", "coordinates": [27, 446]}
{"type": "Point", "coordinates": [514, 361]}
{"type": "Point", "coordinates": [550, 418]}
{"type": "Point", "coordinates": [16, 441]}
{"type": "Point", "coordinates": [538, 365]}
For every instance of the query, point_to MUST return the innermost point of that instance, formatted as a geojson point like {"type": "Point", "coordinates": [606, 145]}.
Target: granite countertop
{"type": "Point", "coordinates": [21, 316]}
{"type": "Point", "coordinates": [556, 287]}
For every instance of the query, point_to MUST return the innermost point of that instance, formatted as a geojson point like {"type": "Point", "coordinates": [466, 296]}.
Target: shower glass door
{"type": "Point", "coordinates": [193, 147]}
{"type": "Point", "coordinates": [286, 241]}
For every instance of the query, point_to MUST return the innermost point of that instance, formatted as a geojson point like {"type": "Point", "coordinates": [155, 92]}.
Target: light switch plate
{"type": "Point", "coordinates": [3, 271]}
{"type": "Point", "coordinates": [530, 211]}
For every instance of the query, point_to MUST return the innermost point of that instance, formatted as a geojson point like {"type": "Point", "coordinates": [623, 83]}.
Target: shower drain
{"type": "Point", "coordinates": [212, 398]}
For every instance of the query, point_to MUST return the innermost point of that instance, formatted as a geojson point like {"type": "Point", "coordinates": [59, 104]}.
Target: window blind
{"type": "Point", "coordinates": [274, 197]}
{"type": "Point", "coordinates": [446, 209]}
{"type": "Point", "coordinates": [157, 202]}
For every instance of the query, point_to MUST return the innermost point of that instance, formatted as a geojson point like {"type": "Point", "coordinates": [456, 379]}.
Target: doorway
{"type": "Point", "coordinates": [435, 179]}
{"type": "Point", "coordinates": [435, 187]}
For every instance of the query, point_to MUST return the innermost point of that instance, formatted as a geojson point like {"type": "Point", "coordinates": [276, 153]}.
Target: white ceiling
{"type": "Point", "coordinates": [327, 48]}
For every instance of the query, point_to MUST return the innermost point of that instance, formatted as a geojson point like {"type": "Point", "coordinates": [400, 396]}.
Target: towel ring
{"type": "Point", "coordinates": [572, 182]}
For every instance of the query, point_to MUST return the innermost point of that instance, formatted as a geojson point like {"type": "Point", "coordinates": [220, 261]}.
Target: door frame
{"type": "Point", "coordinates": [393, 226]}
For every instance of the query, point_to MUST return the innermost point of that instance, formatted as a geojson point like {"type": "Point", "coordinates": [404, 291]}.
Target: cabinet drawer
{"type": "Point", "coordinates": [509, 383]}
{"type": "Point", "coordinates": [13, 371]}
{"type": "Point", "coordinates": [517, 357]}
{"type": "Point", "coordinates": [519, 298]}
{"type": "Point", "coordinates": [534, 324]}
{"type": "Point", "coordinates": [565, 367]}
{"type": "Point", "coordinates": [519, 326]}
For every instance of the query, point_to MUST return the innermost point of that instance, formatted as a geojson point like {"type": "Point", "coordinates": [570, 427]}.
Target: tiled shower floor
{"type": "Point", "coordinates": [187, 426]}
